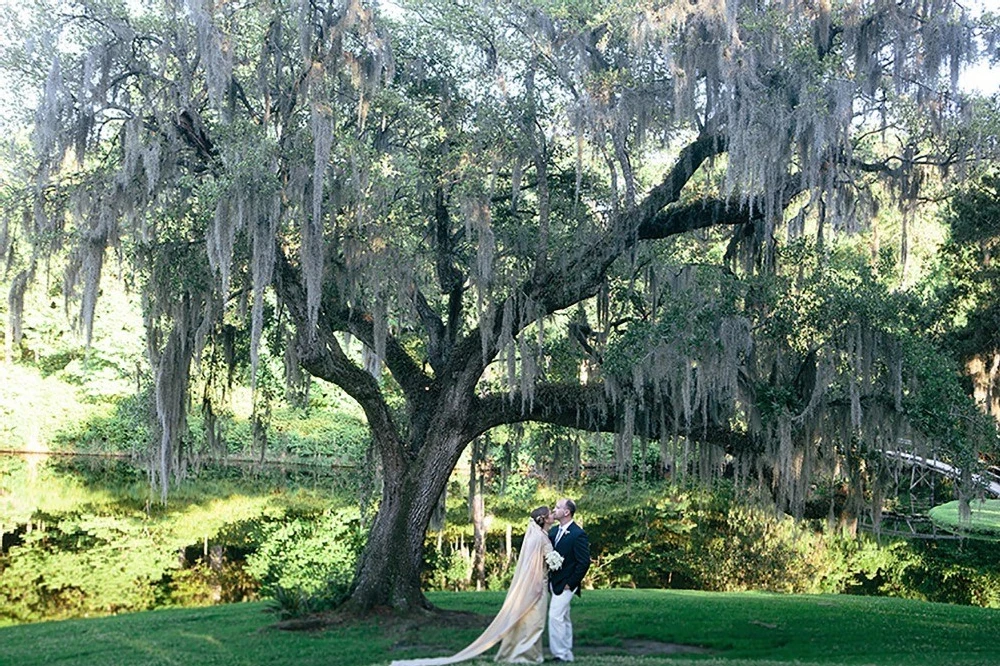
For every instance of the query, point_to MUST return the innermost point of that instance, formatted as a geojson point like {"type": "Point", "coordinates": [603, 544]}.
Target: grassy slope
{"type": "Point", "coordinates": [984, 519]}
{"type": "Point", "coordinates": [740, 629]}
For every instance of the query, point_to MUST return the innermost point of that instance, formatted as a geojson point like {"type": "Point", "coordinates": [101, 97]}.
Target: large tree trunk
{"type": "Point", "coordinates": [415, 466]}
{"type": "Point", "coordinates": [389, 569]}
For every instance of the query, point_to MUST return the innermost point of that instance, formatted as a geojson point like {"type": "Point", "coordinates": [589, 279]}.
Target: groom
{"type": "Point", "coordinates": [571, 542]}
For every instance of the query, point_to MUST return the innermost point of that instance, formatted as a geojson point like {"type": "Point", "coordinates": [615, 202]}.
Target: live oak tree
{"type": "Point", "coordinates": [448, 182]}
{"type": "Point", "coordinates": [970, 296]}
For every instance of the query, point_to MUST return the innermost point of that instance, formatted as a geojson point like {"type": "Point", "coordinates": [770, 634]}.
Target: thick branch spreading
{"type": "Point", "coordinates": [321, 354]}
{"type": "Point", "coordinates": [587, 407]}
{"type": "Point", "coordinates": [709, 213]}
{"type": "Point", "coordinates": [561, 288]}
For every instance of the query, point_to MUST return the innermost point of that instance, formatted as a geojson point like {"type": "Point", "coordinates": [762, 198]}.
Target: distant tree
{"type": "Point", "coordinates": [448, 182]}
{"type": "Point", "coordinates": [971, 298]}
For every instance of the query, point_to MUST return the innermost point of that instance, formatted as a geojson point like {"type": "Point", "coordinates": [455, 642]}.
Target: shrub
{"type": "Point", "coordinates": [126, 429]}
{"type": "Point", "coordinates": [647, 545]}
{"type": "Point", "coordinates": [956, 571]}
{"type": "Point", "coordinates": [202, 584]}
{"type": "Point", "coordinates": [296, 602]}
{"type": "Point", "coordinates": [447, 566]}
{"type": "Point", "coordinates": [751, 548]}
{"type": "Point", "coordinates": [309, 557]}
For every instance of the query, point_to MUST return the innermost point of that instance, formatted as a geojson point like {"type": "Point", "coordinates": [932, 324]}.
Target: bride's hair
{"type": "Point", "coordinates": [540, 514]}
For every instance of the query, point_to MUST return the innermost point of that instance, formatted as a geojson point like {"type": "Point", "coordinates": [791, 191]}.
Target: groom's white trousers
{"type": "Point", "coordinates": [560, 626]}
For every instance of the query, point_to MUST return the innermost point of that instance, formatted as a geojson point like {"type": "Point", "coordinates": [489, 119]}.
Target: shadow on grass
{"type": "Point", "coordinates": [431, 632]}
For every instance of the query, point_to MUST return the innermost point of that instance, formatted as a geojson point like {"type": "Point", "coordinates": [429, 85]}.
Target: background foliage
{"type": "Point", "coordinates": [85, 540]}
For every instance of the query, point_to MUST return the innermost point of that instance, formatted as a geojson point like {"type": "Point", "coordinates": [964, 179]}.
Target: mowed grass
{"type": "Point", "coordinates": [613, 628]}
{"type": "Point", "coordinates": [984, 518]}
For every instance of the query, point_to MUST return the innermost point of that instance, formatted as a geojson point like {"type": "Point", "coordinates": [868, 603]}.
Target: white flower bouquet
{"type": "Point", "coordinates": [553, 560]}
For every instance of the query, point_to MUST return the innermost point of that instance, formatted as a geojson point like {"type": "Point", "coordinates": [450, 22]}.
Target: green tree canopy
{"type": "Point", "coordinates": [447, 181]}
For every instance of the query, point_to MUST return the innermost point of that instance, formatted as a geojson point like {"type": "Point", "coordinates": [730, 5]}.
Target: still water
{"type": "Point", "coordinates": [88, 535]}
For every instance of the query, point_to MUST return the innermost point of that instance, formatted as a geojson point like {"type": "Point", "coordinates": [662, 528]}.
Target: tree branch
{"type": "Point", "coordinates": [321, 354]}
{"type": "Point", "coordinates": [562, 285]}
{"type": "Point", "coordinates": [710, 213]}
{"type": "Point", "coordinates": [434, 328]}
{"type": "Point", "coordinates": [582, 276]}
{"type": "Point", "coordinates": [404, 369]}
{"type": "Point", "coordinates": [449, 275]}
{"type": "Point", "coordinates": [587, 407]}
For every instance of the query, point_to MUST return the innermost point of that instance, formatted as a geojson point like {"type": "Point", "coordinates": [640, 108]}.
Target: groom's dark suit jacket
{"type": "Point", "coordinates": [575, 549]}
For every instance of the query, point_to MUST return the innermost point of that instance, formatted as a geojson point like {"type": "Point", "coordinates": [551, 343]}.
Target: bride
{"type": "Point", "coordinates": [519, 624]}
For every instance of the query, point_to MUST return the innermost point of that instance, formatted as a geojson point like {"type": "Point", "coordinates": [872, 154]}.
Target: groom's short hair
{"type": "Point", "coordinates": [571, 506]}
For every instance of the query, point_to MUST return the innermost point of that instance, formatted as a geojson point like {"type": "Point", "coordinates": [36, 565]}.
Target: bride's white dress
{"type": "Point", "coordinates": [519, 624]}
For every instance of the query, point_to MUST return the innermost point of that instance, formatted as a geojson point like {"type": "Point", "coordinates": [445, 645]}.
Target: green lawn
{"type": "Point", "coordinates": [984, 518]}
{"type": "Point", "coordinates": [735, 629]}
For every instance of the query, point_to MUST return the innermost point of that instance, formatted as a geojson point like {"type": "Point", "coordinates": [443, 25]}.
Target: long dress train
{"type": "Point", "coordinates": [519, 624]}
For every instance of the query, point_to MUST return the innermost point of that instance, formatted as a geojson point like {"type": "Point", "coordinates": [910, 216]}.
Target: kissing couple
{"type": "Point", "coordinates": [552, 562]}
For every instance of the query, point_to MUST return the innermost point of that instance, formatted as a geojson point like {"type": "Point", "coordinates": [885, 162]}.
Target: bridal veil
{"type": "Point", "coordinates": [521, 619]}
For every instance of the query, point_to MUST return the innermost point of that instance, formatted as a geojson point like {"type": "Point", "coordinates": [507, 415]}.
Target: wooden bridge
{"type": "Point", "coordinates": [917, 524]}
{"type": "Point", "coordinates": [988, 480]}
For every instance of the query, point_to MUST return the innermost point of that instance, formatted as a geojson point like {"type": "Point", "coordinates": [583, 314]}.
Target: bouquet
{"type": "Point", "coordinates": [553, 560]}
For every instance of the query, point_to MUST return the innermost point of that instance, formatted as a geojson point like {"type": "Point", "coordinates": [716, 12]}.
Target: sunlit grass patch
{"type": "Point", "coordinates": [983, 521]}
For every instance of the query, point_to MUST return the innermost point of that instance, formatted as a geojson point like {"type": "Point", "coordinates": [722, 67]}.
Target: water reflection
{"type": "Point", "coordinates": [36, 481]}
{"type": "Point", "coordinates": [34, 453]}
{"type": "Point", "coordinates": [31, 461]}
{"type": "Point", "coordinates": [84, 535]}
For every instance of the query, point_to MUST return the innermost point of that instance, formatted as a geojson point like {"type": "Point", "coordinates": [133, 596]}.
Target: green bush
{"type": "Point", "coordinates": [126, 429]}
{"type": "Point", "coordinates": [955, 571]}
{"type": "Point", "coordinates": [706, 539]}
{"type": "Point", "coordinates": [34, 409]}
{"type": "Point", "coordinates": [202, 584]}
{"type": "Point", "coordinates": [645, 545]}
{"type": "Point", "coordinates": [751, 548]}
{"type": "Point", "coordinates": [448, 564]}
{"type": "Point", "coordinates": [335, 435]}
{"type": "Point", "coordinates": [306, 556]}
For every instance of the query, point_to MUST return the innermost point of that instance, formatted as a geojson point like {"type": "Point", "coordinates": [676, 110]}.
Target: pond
{"type": "Point", "coordinates": [86, 535]}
